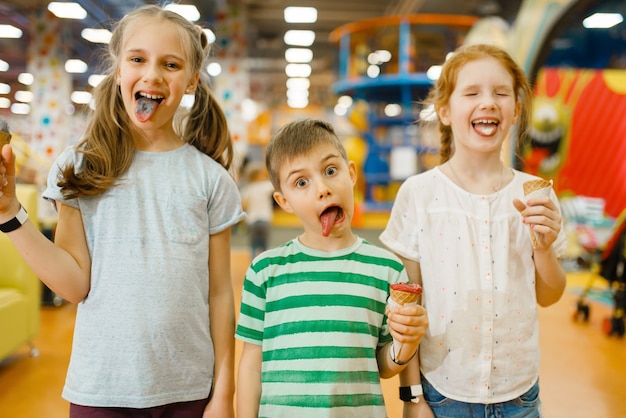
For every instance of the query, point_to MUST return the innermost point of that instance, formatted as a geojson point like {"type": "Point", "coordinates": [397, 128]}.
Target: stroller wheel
{"type": "Point", "coordinates": [581, 312]}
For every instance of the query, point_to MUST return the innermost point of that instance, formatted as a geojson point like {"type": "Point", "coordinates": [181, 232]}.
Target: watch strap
{"type": "Point", "coordinates": [17, 221]}
{"type": "Point", "coordinates": [411, 393]}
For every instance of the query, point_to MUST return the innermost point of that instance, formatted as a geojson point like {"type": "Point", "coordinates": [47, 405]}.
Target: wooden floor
{"type": "Point", "coordinates": [583, 371]}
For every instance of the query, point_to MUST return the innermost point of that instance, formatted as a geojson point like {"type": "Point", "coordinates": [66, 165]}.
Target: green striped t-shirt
{"type": "Point", "coordinates": [319, 317]}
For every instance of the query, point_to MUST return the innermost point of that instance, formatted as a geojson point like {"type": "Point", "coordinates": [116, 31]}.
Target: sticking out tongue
{"type": "Point", "coordinates": [145, 108]}
{"type": "Point", "coordinates": [328, 218]}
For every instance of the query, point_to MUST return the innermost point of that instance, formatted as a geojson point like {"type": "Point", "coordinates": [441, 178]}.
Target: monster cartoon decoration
{"type": "Point", "coordinates": [556, 94]}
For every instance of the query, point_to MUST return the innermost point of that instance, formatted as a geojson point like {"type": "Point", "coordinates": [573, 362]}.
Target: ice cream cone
{"type": "Point", "coordinates": [538, 187]}
{"type": "Point", "coordinates": [402, 294]}
{"type": "Point", "coordinates": [403, 297]}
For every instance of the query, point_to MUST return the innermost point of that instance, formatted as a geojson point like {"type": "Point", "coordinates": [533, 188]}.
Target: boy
{"type": "Point", "coordinates": [316, 338]}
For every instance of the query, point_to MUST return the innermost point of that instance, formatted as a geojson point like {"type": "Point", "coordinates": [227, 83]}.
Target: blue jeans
{"type": "Point", "coordinates": [526, 406]}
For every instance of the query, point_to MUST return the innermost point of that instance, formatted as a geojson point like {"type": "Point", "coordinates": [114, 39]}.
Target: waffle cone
{"type": "Point", "coordinates": [532, 185]}
{"type": "Point", "coordinates": [403, 298]}
{"type": "Point", "coordinates": [5, 138]}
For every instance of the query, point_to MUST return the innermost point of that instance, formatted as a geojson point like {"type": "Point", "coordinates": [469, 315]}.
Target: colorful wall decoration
{"type": "Point", "coordinates": [579, 133]}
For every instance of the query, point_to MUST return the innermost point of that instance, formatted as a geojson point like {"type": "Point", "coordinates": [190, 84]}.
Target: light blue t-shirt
{"type": "Point", "coordinates": [142, 333]}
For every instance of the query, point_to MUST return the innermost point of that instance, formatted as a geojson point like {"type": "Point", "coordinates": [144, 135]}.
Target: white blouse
{"type": "Point", "coordinates": [476, 261]}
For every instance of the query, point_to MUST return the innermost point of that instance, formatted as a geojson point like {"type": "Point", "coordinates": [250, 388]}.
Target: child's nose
{"type": "Point", "coordinates": [153, 73]}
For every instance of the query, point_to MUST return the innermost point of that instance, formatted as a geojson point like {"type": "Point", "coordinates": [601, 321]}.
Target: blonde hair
{"type": "Point", "coordinates": [107, 147]}
{"type": "Point", "coordinates": [295, 139]}
{"type": "Point", "coordinates": [439, 95]}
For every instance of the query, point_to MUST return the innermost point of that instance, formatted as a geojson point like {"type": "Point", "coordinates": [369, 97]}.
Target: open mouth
{"type": "Point", "coordinates": [146, 105]}
{"type": "Point", "coordinates": [485, 127]}
{"type": "Point", "coordinates": [331, 216]}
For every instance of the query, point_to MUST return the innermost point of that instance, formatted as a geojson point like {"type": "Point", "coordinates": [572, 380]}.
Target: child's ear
{"type": "Point", "coordinates": [282, 202]}
{"type": "Point", "coordinates": [444, 115]}
{"type": "Point", "coordinates": [191, 87]}
{"type": "Point", "coordinates": [352, 170]}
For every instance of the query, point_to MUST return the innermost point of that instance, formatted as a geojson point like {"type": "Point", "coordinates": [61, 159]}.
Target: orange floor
{"type": "Point", "coordinates": [583, 371]}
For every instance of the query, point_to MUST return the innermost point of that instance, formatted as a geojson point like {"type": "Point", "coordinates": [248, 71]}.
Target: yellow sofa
{"type": "Point", "coordinates": [20, 289]}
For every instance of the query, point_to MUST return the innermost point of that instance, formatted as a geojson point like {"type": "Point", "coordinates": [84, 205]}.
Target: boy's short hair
{"type": "Point", "coordinates": [297, 138]}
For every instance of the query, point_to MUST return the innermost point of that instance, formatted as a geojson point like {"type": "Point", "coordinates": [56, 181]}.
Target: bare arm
{"type": "Point", "coordinates": [249, 381]}
{"type": "Point", "coordinates": [64, 266]}
{"type": "Point", "coordinates": [222, 325]}
{"type": "Point", "coordinates": [542, 215]}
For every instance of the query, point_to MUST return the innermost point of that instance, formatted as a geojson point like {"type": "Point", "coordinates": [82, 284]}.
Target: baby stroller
{"type": "Point", "coordinates": [610, 263]}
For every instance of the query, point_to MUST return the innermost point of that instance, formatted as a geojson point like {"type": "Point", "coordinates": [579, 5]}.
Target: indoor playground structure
{"type": "Point", "coordinates": [387, 66]}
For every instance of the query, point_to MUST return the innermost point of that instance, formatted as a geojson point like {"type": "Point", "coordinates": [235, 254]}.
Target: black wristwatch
{"type": "Point", "coordinates": [411, 393]}
{"type": "Point", "coordinates": [15, 222]}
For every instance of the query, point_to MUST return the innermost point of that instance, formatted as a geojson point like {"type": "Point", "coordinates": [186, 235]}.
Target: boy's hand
{"type": "Point", "coordinates": [543, 217]}
{"type": "Point", "coordinates": [417, 410]}
{"type": "Point", "coordinates": [407, 324]}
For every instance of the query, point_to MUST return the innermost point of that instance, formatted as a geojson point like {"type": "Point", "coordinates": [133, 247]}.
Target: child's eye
{"type": "Point", "coordinates": [136, 59]}
{"type": "Point", "coordinates": [172, 65]}
{"type": "Point", "coordinates": [301, 182]}
{"type": "Point", "coordinates": [331, 171]}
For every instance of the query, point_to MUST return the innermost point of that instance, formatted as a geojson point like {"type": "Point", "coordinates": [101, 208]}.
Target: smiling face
{"type": "Point", "coordinates": [482, 107]}
{"type": "Point", "coordinates": [154, 73]}
{"type": "Point", "coordinates": [318, 188]}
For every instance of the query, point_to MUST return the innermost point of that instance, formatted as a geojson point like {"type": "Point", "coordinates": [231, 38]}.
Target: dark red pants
{"type": "Point", "coordinates": [192, 409]}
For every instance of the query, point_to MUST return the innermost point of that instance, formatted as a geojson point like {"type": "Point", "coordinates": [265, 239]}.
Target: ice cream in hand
{"type": "Point", "coordinates": [402, 294]}
{"type": "Point", "coordinates": [533, 188]}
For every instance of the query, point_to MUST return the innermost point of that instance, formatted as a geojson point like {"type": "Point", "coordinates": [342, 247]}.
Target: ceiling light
{"type": "Point", "coordinates": [210, 35]}
{"type": "Point", "coordinates": [299, 37]}
{"type": "Point", "coordinates": [24, 96]}
{"type": "Point", "coordinates": [4, 66]}
{"type": "Point", "coordinates": [5, 88]}
{"type": "Point", "coordinates": [67, 10]}
{"type": "Point", "coordinates": [298, 70]}
{"type": "Point", "coordinates": [4, 103]}
{"type": "Point", "coordinates": [602, 20]}
{"type": "Point", "coordinates": [392, 110]}
{"type": "Point", "coordinates": [20, 108]}
{"type": "Point", "coordinates": [76, 66]}
{"type": "Point", "coordinates": [81, 97]}
{"type": "Point", "coordinates": [95, 79]}
{"type": "Point", "coordinates": [10, 31]}
{"type": "Point", "coordinates": [26, 79]}
{"type": "Point", "coordinates": [298, 83]}
{"type": "Point", "coordinates": [340, 110]}
{"type": "Point", "coordinates": [433, 72]}
{"type": "Point", "coordinates": [297, 94]}
{"type": "Point", "coordinates": [298, 103]}
{"type": "Point", "coordinates": [373, 71]}
{"type": "Point", "coordinates": [97, 36]}
{"type": "Point", "coordinates": [188, 11]}
{"type": "Point", "coordinates": [300, 14]}
{"type": "Point", "coordinates": [345, 101]}
{"type": "Point", "coordinates": [298, 55]}
{"type": "Point", "coordinates": [214, 69]}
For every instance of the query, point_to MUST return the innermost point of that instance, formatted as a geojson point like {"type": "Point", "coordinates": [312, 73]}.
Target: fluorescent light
{"type": "Point", "coordinates": [95, 79]}
{"type": "Point", "coordinates": [10, 31]}
{"type": "Point", "coordinates": [4, 66]}
{"type": "Point", "coordinates": [67, 10]}
{"type": "Point", "coordinates": [299, 37]}
{"type": "Point", "coordinates": [80, 97]}
{"type": "Point", "coordinates": [210, 35]}
{"type": "Point", "coordinates": [300, 14]}
{"type": "Point", "coordinates": [298, 83]}
{"type": "Point", "coordinates": [602, 20]}
{"type": "Point", "coordinates": [20, 108]}
{"type": "Point", "coordinates": [5, 88]}
{"type": "Point", "coordinates": [188, 11]}
{"type": "Point", "coordinates": [24, 96]}
{"type": "Point", "coordinates": [214, 69]}
{"type": "Point", "coordinates": [298, 70]}
{"type": "Point", "coordinates": [26, 79]}
{"type": "Point", "coordinates": [298, 55]}
{"type": "Point", "coordinates": [299, 103]}
{"type": "Point", "coordinates": [433, 72]}
{"type": "Point", "coordinates": [76, 66]}
{"type": "Point", "coordinates": [97, 36]}
{"type": "Point", "coordinates": [297, 94]}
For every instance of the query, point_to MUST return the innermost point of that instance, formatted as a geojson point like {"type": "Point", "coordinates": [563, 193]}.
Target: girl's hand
{"type": "Point", "coordinates": [219, 408]}
{"type": "Point", "coordinates": [407, 324]}
{"type": "Point", "coordinates": [9, 205]}
{"type": "Point", "coordinates": [417, 410]}
{"type": "Point", "coordinates": [543, 218]}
